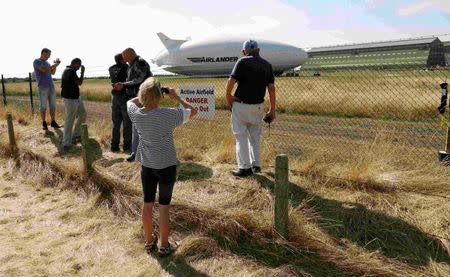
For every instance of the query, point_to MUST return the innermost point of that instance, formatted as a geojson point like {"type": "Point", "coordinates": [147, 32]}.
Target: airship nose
{"type": "Point", "coordinates": [159, 60]}
{"type": "Point", "coordinates": [300, 55]}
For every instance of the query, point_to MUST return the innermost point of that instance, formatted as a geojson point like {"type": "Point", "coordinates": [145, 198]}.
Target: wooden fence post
{"type": "Point", "coordinates": [87, 166]}
{"type": "Point", "coordinates": [4, 91]}
{"type": "Point", "coordinates": [12, 138]}
{"type": "Point", "coordinates": [281, 214]}
{"type": "Point", "coordinates": [31, 92]}
{"type": "Point", "coordinates": [447, 148]}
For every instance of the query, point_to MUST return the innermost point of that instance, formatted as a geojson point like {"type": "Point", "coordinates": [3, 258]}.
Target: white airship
{"type": "Point", "coordinates": [216, 57]}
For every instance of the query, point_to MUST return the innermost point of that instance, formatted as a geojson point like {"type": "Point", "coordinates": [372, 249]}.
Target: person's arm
{"type": "Point", "coordinates": [134, 100]}
{"type": "Point", "coordinates": [48, 69]}
{"type": "Point", "coordinates": [79, 81]}
{"type": "Point", "coordinates": [272, 99]}
{"type": "Point", "coordinates": [230, 85]}
{"type": "Point", "coordinates": [173, 94]}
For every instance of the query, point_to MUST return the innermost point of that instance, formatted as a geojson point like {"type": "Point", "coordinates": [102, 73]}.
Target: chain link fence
{"type": "Point", "coordinates": [349, 107]}
{"type": "Point", "coordinates": [332, 109]}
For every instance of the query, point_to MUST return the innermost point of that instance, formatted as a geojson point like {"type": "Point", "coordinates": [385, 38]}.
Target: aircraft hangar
{"type": "Point", "coordinates": [417, 53]}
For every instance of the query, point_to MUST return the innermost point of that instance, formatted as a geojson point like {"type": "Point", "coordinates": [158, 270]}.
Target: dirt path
{"type": "Point", "coordinates": [290, 129]}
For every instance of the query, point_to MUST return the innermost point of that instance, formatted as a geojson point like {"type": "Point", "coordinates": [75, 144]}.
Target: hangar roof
{"type": "Point", "coordinates": [379, 44]}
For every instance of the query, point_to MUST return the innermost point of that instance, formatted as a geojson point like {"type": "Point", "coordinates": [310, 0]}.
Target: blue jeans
{"type": "Point", "coordinates": [47, 94]}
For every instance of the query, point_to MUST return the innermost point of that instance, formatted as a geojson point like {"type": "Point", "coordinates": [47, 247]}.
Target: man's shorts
{"type": "Point", "coordinates": [164, 177]}
{"type": "Point", "coordinates": [47, 94]}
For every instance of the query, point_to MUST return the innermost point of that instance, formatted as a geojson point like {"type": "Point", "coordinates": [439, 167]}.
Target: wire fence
{"type": "Point", "coordinates": [344, 108]}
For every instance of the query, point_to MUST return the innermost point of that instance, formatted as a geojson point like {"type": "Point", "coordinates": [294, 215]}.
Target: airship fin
{"type": "Point", "coordinates": [170, 43]}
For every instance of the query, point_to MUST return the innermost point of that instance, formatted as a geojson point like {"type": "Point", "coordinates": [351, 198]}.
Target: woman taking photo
{"type": "Point", "coordinates": [157, 155]}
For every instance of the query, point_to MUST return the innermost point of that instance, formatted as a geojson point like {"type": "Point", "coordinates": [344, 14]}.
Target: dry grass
{"type": "Point", "coordinates": [375, 212]}
{"type": "Point", "coordinates": [405, 95]}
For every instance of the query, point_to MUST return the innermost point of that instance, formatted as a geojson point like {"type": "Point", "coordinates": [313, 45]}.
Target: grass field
{"type": "Point", "coordinates": [364, 211]}
{"type": "Point", "coordinates": [406, 95]}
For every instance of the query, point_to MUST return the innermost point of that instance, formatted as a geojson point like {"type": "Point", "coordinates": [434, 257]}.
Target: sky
{"type": "Point", "coordinates": [95, 30]}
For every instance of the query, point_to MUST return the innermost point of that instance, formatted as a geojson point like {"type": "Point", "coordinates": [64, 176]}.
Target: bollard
{"type": "Point", "coordinates": [31, 92]}
{"type": "Point", "coordinates": [87, 166]}
{"type": "Point", "coordinates": [281, 214]}
{"type": "Point", "coordinates": [444, 156]}
{"type": "Point", "coordinates": [12, 138]}
{"type": "Point", "coordinates": [4, 91]}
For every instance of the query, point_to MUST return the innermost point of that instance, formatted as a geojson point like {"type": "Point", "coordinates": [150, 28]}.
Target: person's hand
{"type": "Point", "coordinates": [57, 61]}
{"type": "Point", "coordinates": [172, 93]}
{"type": "Point", "coordinates": [82, 69]}
{"type": "Point", "coordinates": [230, 100]}
{"type": "Point", "coordinates": [269, 117]}
{"type": "Point", "coordinates": [118, 86]}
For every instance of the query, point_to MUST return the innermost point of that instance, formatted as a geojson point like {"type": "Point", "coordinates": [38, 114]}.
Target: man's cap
{"type": "Point", "coordinates": [249, 45]}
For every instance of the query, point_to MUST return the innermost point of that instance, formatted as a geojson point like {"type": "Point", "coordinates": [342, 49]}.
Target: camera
{"type": "Point", "coordinates": [164, 90]}
{"type": "Point", "coordinates": [57, 61]}
{"type": "Point", "coordinates": [268, 119]}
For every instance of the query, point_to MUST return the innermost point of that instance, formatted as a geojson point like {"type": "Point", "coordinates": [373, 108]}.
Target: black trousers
{"type": "Point", "coordinates": [119, 117]}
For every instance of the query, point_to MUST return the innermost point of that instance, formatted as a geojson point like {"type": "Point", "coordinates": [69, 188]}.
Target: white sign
{"type": "Point", "coordinates": [200, 97]}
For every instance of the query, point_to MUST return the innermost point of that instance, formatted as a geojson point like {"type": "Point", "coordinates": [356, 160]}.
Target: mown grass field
{"type": "Point", "coordinates": [369, 210]}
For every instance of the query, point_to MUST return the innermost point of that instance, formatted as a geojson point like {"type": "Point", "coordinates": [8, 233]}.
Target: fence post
{"type": "Point", "coordinates": [447, 148]}
{"type": "Point", "coordinates": [12, 138]}
{"type": "Point", "coordinates": [87, 166]}
{"type": "Point", "coordinates": [444, 156]}
{"type": "Point", "coordinates": [31, 92]}
{"type": "Point", "coordinates": [4, 91]}
{"type": "Point", "coordinates": [281, 219]}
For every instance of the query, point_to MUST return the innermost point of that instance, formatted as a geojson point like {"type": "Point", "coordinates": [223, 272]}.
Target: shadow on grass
{"type": "Point", "coordinates": [93, 147]}
{"type": "Point", "coordinates": [373, 230]}
{"type": "Point", "coordinates": [193, 171]}
{"type": "Point", "coordinates": [188, 220]}
{"type": "Point", "coordinates": [177, 266]}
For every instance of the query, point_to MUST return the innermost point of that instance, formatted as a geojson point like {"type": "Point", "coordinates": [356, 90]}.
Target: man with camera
{"type": "Point", "coordinates": [118, 73]}
{"type": "Point", "coordinates": [157, 154]}
{"type": "Point", "coordinates": [73, 106]}
{"type": "Point", "coordinates": [138, 71]}
{"type": "Point", "coordinates": [44, 71]}
{"type": "Point", "coordinates": [253, 75]}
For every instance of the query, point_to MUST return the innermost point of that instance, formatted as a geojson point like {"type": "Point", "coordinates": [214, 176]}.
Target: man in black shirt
{"type": "Point", "coordinates": [138, 71]}
{"type": "Point", "coordinates": [253, 75]}
{"type": "Point", "coordinates": [73, 106]}
{"type": "Point", "coordinates": [118, 73]}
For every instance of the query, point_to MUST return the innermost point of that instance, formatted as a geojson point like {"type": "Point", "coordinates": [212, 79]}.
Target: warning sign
{"type": "Point", "coordinates": [200, 97]}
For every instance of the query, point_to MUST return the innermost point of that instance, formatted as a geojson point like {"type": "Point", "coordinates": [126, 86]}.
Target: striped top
{"type": "Point", "coordinates": [155, 128]}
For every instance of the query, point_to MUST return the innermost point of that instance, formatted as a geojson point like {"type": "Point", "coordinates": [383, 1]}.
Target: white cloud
{"type": "Point", "coordinates": [424, 6]}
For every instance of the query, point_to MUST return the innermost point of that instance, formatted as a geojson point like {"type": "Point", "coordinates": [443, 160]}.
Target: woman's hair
{"type": "Point", "coordinates": [149, 91]}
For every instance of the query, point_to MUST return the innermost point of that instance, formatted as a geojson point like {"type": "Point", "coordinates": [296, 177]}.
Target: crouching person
{"type": "Point", "coordinates": [73, 105]}
{"type": "Point", "coordinates": [157, 155]}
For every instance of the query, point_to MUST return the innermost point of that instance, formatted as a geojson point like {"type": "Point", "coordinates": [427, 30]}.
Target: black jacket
{"type": "Point", "coordinates": [138, 71]}
{"type": "Point", "coordinates": [118, 73]}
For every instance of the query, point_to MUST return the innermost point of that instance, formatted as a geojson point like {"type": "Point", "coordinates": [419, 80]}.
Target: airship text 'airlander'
{"type": "Point", "coordinates": [217, 56]}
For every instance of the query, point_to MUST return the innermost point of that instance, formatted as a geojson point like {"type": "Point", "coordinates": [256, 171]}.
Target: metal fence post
{"type": "Point", "coordinates": [87, 166]}
{"type": "Point", "coordinates": [12, 138]}
{"type": "Point", "coordinates": [281, 215]}
{"type": "Point", "coordinates": [4, 91]}
{"type": "Point", "coordinates": [31, 92]}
